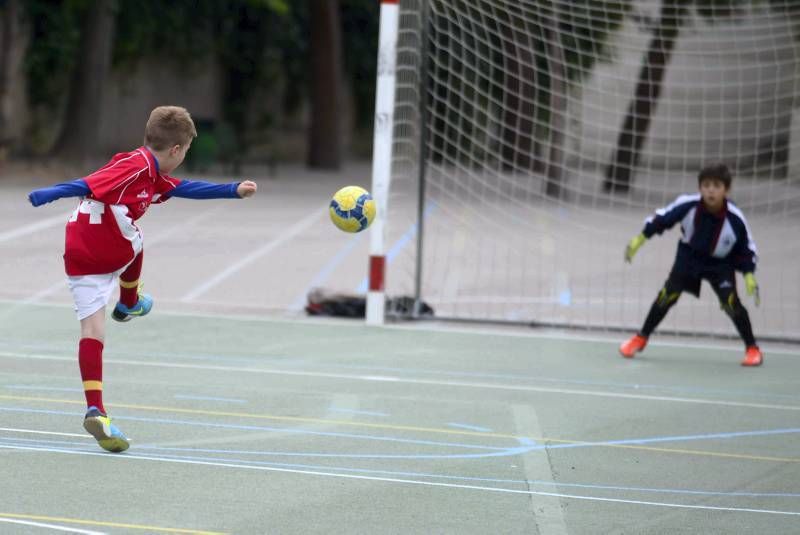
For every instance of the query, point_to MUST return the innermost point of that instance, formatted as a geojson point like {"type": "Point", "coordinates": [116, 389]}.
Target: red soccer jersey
{"type": "Point", "coordinates": [101, 235]}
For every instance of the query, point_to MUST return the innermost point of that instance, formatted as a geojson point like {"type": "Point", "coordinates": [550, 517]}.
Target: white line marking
{"type": "Point", "coordinates": [209, 398]}
{"type": "Point", "coordinates": [547, 510]}
{"type": "Point", "coordinates": [13, 430]}
{"type": "Point", "coordinates": [284, 237]}
{"type": "Point", "coordinates": [432, 382]}
{"type": "Point", "coordinates": [61, 286]}
{"type": "Point", "coordinates": [49, 526]}
{"type": "Point", "coordinates": [483, 330]}
{"type": "Point", "coordinates": [34, 227]}
{"type": "Point", "coordinates": [128, 456]}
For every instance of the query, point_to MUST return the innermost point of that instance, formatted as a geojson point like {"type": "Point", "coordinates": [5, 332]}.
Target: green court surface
{"type": "Point", "coordinates": [249, 425]}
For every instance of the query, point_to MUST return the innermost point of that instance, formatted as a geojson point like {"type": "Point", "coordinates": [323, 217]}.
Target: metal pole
{"type": "Point", "coordinates": [382, 157]}
{"type": "Point", "coordinates": [424, 80]}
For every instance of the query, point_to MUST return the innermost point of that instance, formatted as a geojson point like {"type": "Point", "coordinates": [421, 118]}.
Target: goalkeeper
{"type": "Point", "coordinates": [716, 243]}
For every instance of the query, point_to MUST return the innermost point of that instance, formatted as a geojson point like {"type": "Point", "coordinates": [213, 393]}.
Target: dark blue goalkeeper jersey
{"type": "Point", "coordinates": [722, 238]}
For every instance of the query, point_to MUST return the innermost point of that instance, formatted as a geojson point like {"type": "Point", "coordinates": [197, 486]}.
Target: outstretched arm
{"type": "Point", "coordinates": [661, 220]}
{"type": "Point", "coordinates": [76, 188]}
{"type": "Point", "coordinates": [665, 218]}
{"type": "Point", "coordinates": [195, 189]}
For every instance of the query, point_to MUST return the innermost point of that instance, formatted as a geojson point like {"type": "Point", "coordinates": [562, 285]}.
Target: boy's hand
{"type": "Point", "coordinates": [633, 246]}
{"type": "Point", "coordinates": [751, 286]}
{"type": "Point", "coordinates": [246, 189]}
{"type": "Point", "coordinates": [35, 199]}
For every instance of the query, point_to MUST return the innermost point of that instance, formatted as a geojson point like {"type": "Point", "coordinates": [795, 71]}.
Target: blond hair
{"type": "Point", "coordinates": [169, 126]}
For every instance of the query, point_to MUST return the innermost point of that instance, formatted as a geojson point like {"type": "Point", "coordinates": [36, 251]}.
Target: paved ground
{"type": "Point", "coordinates": [248, 425]}
{"type": "Point", "coordinates": [247, 418]}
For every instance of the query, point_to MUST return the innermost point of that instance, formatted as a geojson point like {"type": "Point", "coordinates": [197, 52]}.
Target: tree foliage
{"type": "Point", "coordinates": [260, 46]}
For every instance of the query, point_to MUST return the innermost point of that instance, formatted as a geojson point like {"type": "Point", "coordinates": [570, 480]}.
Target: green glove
{"type": "Point", "coordinates": [751, 286]}
{"type": "Point", "coordinates": [633, 246]}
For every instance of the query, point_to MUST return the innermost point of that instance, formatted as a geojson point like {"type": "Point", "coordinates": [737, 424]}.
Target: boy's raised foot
{"type": "Point", "coordinates": [753, 357]}
{"type": "Point", "coordinates": [107, 434]}
{"type": "Point", "coordinates": [141, 308]}
{"type": "Point", "coordinates": [632, 346]}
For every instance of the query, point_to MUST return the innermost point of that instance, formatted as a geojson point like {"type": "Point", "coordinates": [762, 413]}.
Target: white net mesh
{"type": "Point", "coordinates": [541, 162]}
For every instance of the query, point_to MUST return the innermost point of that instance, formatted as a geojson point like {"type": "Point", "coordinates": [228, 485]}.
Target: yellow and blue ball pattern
{"type": "Point", "coordinates": [352, 209]}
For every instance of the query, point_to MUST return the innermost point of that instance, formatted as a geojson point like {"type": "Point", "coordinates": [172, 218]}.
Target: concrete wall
{"type": "Point", "coordinates": [132, 95]}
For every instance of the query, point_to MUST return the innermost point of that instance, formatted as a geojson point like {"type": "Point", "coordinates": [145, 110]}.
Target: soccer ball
{"type": "Point", "coordinates": [352, 209]}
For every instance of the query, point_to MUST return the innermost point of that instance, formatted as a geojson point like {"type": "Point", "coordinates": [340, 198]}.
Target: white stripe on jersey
{"type": "Point", "coordinates": [687, 225]}
{"type": "Point", "coordinates": [110, 165]}
{"type": "Point", "coordinates": [751, 244]}
{"type": "Point", "coordinates": [129, 230]}
{"type": "Point", "coordinates": [131, 179]}
{"type": "Point", "coordinates": [680, 200]}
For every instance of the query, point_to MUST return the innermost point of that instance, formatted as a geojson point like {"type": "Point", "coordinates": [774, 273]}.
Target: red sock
{"type": "Point", "coordinates": [129, 282]}
{"type": "Point", "coordinates": [90, 360]}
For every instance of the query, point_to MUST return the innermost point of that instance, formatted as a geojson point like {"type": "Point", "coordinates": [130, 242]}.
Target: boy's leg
{"type": "Point", "coordinates": [667, 297]}
{"type": "Point", "coordinates": [129, 282]}
{"type": "Point", "coordinates": [131, 303]}
{"type": "Point", "coordinates": [91, 293]}
{"type": "Point", "coordinates": [90, 358]}
{"type": "Point", "coordinates": [725, 287]}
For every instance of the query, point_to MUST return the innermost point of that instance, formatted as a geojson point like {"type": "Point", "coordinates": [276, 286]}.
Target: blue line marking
{"type": "Point", "coordinates": [556, 380]}
{"type": "Point", "coordinates": [398, 246]}
{"type": "Point", "coordinates": [351, 411]}
{"type": "Point", "coordinates": [652, 440]}
{"type": "Point", "coordinates": [267, 428]}
{"type": "Point", "coordinates": [208, 398]}
{"type": "Point", "coordinates": [686, 438]}
{"type": "Point", "coordinates": [496, 451]}
{"type": "Point", "coordinates": [469, 427]}
{"type": "Point", "coordinates": [81, 447]}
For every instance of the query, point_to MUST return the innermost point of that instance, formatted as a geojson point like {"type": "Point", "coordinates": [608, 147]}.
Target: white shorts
{"type": "Point", "coordinates": [92, 292]}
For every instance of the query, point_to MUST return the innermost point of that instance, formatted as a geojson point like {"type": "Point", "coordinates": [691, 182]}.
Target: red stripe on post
{"type": "Point", "coordinates": [390, 1]}
{"type": "Point", "coordinates": [377, 268]}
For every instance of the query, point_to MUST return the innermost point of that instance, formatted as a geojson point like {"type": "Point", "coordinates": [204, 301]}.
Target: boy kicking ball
{"type": "Point", "coordinates": [103, 242]}
{"type": "Point", "coordinates": [716, 243]}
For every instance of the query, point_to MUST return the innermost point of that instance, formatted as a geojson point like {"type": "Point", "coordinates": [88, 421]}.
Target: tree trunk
{"type": "Point", "coordinates": [9, 23]}
{"type": "Point", "coordinates": [79, 134]}
{"type": "Point", "coordinates": [557, 68]}
{"type": "Point", "coordinates": [519, 150]}
{"type": "Point", "coordinates": [324, 139]}
{"type": "Point", "coordinates": [640, 112]}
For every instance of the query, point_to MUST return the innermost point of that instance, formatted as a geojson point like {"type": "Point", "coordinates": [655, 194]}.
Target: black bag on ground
{"type": "Point", "coordinates": [321, 303]}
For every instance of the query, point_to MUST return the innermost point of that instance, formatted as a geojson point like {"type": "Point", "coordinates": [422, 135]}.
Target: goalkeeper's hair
{"type": "Point", "coordinates": [717, 170]}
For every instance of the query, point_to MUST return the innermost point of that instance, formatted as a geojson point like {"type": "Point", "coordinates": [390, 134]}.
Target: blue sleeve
{"type": "Point", "coordinates": [76, 188]}
{"type": "Point", "coordinates": [195, 189]}
{"type": "Point", "coordinates": [665, 218]}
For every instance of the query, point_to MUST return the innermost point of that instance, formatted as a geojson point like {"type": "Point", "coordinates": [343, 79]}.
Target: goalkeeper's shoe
{"type": "Point", "coordinates": [107, 434]}
{"type": "Point", "coordinates": [632, 346]}
{"type": "Point", "coordinates": [141, 308]}
{"type": "Point", "coordinates": [753, 357]}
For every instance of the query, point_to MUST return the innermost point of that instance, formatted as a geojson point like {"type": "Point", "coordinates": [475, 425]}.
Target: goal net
{"type": "Point", "coordinates": [538, 135]}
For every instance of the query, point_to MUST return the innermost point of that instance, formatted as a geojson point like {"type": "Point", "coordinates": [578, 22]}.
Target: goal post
{"type": "Point", "coordinates": [538, 134]}
{"type": "Point", "coordinates": [382, 157]}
